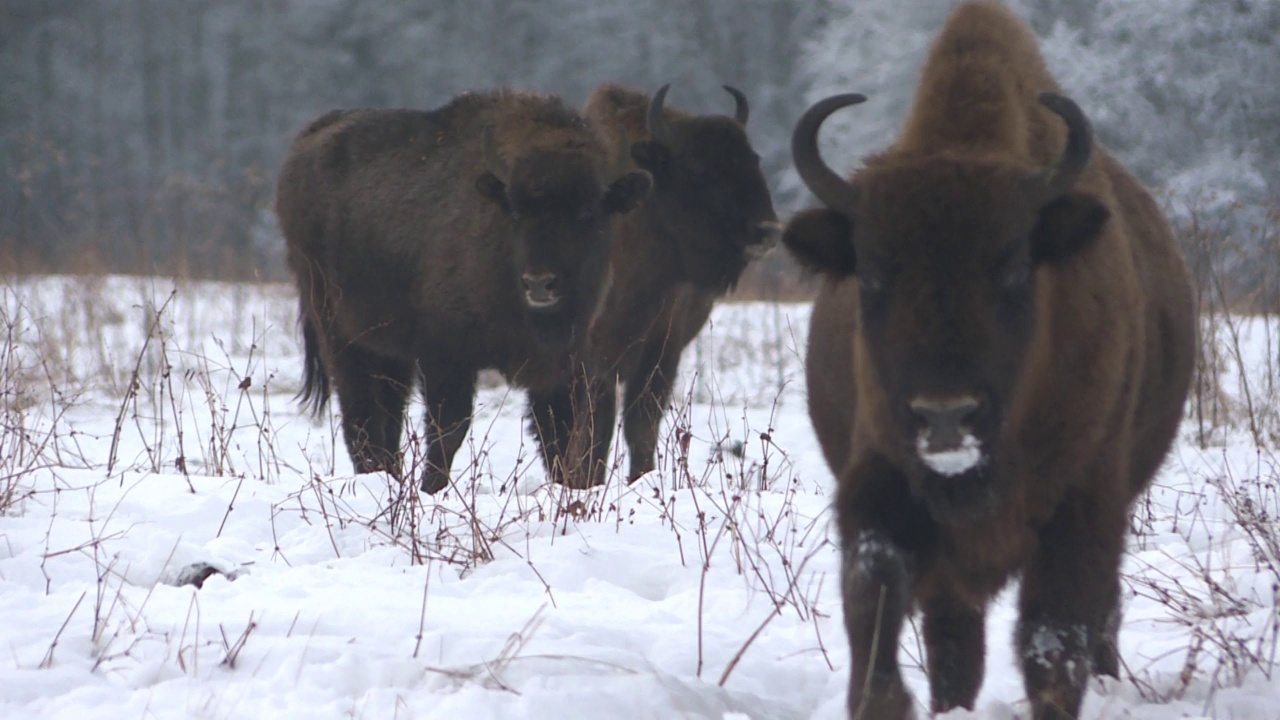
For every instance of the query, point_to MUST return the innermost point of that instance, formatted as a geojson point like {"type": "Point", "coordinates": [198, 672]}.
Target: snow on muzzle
{"type": "Point", "coordinates": [946, 444]}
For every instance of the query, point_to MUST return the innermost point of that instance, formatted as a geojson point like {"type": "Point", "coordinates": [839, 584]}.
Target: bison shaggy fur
{"type": "Point", "coordinates": [998, 360]}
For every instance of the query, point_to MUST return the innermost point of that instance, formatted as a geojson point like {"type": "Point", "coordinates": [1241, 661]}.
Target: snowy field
{"type": "Point", "coordinates": [178, 541]}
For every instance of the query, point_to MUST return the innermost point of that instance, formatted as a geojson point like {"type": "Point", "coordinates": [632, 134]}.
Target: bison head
{"type": "Point", "coordinates": [946, 251]}
{"type": "Point", "coordinates": [558, 203]}
{"type": "Point", "coordinates": [709, 189]}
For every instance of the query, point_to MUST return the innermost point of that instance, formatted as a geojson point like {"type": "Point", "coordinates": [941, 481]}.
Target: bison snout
{"type": "Point", "coordinates": [946, 442]}
{"type": "Point", "coordinates": [946, 419]}
{"type": "Point", "coordinates": [541, 289]}
{"type": "Point", "coordinates": [764, 237]}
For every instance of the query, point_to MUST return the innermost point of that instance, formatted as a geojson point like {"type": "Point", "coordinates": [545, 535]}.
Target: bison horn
{"type": "Point", "coordinates": [492, 162]}
{"type": "Point", "coordinates": [741, 110]}
{"type": "Point", "coordinates": [1061, 174]}
{"type": "Point", "coordinates": [834, 191]}
{"type": "Point", "coordinates": [657, 122]}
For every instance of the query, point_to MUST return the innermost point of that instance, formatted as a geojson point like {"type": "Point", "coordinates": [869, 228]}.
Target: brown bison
{"type": "Point", "coordinates": [428, 245]}
{"type": "Point", "coordinates": [709, 215]}
{"type": "Point", "coordinates": [997, 365]}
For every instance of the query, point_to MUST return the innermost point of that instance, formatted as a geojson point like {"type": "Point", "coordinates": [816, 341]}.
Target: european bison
{"type": "Point", "coordinates": [710, 215]}
{"type": "Point", "coordinates": [997, 365]}
{"type": "Point", "coordinates": [428, 245]}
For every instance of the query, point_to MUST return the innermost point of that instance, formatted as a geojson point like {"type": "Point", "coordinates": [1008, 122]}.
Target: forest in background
{"type": "Point", "coordinates": [144, 135]}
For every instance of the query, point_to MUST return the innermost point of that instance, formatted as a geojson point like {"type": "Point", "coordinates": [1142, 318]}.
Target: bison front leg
{"type": "Point", "coordinates": [1106, 648]}
{"type": "Point", "coordinates": [876, 587]}
{"type": "Point", "coordinates": [1068, 604]}
{"type": "Point", "coordinates": [550, 419]}
{"type": "Point", "coordinates": [585, 463]}
{"type": "Point", "coordinates": [372, 393]}
{"type": "Point", "coordinates": [574, 427]}
{"type": "Point", "coordinates": [955, 640]}
{"type": "Point", "coordinates": [647, 395]}
{"type": "Point", "coordinates": [449, 396]}
{"type": "Point", "coordinates": [883, 532]}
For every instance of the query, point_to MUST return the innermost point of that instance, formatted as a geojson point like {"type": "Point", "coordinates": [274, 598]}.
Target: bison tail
{"type": "Point", "coordinates": [315, 380]}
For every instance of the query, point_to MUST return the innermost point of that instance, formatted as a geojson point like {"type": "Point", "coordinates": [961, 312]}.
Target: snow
{"type": "Point", "coordinates": [1048, 644]}
{"type": "Point", "coordinates": [708, 589]}
{"type": "Point", "coordinates": [952, 462]}
{"type": "Point", "coordinates": [873, 553]}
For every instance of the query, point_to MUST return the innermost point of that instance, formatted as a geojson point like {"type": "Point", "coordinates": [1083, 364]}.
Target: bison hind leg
{"type": "Point", "coordinates": [449, 394]}
{"type": "Point", "coordinates": [955, 639]}
{"type": "Point", "coordinates": [373, 391]}
{"type": "Point", "coordinates": [647, 394]}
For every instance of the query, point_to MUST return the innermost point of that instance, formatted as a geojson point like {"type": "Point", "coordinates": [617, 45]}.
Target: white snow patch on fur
{"type": "Point", "coordinates": [1048, 644]}
{"type": "Point", "coordinates": [951, 462]}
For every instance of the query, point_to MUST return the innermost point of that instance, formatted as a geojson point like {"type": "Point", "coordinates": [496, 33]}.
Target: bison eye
{"type": "Point", "coordinates": [700, 169]}
{"type": "Point", "coordinates": [870, 285]}
{"type": "Point", "coordinates": [1018, 277]}
{"type": "Point", "coordinates": [1015, 289]}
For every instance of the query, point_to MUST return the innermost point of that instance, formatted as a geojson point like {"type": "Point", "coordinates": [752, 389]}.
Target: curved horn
{"type": "Point", "coordinates": [834, 191]}
{"type": "Point", "coordinates": [656, 121]}
{"type": "Point", "coordinates": [491, 160]}
{"type": "Point", "coordinates": [741, 109]}
{"type": "Point", "coordinates": [1065, 171]}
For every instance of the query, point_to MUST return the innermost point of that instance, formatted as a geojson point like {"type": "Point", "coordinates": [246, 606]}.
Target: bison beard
{"type": "Point", "coordinates": [427, 246]}
{"type": "Point", "coordinates": [998, 359]}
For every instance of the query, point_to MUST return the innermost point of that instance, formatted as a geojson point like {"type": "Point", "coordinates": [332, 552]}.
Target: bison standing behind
{"type": "Point", "coordinates": [997, 365]}
{"type": "Point", "coordinates": [686, 246]}
{"type": "Point", "coordinates": [430, 245]}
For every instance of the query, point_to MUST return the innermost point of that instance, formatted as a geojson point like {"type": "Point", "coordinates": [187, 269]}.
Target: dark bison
{"type": "Point", "coordinates": [428, 245]}
{"type": "Point", "coordinates": [997, 365]}
{"type": "Point", "coordinates": [710, 214]}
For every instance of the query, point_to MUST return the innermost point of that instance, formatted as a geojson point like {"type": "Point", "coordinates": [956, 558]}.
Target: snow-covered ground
{"type": "Point", "coordinates": [148, 439]}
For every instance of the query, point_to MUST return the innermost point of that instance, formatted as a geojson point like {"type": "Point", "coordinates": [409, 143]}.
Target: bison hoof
{"type": "Point", "coordinates": [581, 483]}
{"type": "Point", "coordinates": [583, 480]}
{"type": "Point", "coordinates": [883, 702]}
{"type": "Point", "coordinates": [434, 482]}
{"type": "Point", "coordinates": [1106, 659]}
{"type": "Point", "coordinates": [367, 465]}
{"type": "Point", "coordinates": [637, 473]}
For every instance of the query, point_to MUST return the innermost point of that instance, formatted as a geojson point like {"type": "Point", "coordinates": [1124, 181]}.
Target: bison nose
{"type": "Point", "coordinates": [541, 289]}
{"type": "Point", "coordinates": [764, 237]}
{"type": "Point", "coordinates": [945, 419]}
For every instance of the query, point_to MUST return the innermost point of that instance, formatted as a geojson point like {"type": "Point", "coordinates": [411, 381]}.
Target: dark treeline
{"type": "Point", "coordinates": [145, 135]}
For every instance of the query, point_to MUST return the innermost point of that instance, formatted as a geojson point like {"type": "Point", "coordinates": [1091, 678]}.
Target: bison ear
{"type": "Point", "coordinates": [821, 239]}
{"type": "Point", "coordinates": [492, 188]}
{"type": "Point", "coordinates": [627, 192]}
{"type": "Point", "coordinates": [651, 155]}
{"type": "Point", "coordinates": [1066, 227]}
